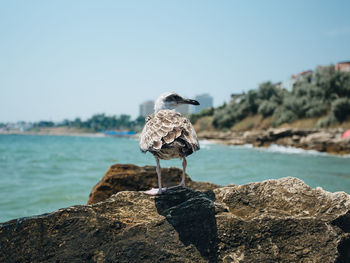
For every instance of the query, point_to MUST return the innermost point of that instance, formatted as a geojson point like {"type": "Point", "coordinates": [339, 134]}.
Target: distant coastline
{"type": "Point", "coordinates": [54, 131]}
{"type": "Point", "coordinates": [322, 140]}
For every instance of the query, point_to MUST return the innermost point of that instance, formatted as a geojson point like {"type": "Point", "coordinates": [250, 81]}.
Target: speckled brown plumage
{"type": "Point", "coordinates": [167, 134]}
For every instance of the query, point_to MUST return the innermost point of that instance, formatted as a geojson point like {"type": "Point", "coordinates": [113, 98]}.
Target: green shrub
{"type": "Point", "coordinates": [312, 96]}
{"type": "Point", "coordinates": [283, 116]}
{"type": "Point", "coordinates": [316, 108]}
{"type": "Point", "coordinates": [267, 90]}
{"type": "Point", "coordinates": [222, 119]}
{"type": "Point", "coordinates": [341, 109]}
{"type": "Point", "coordinates": [334, 83]}
{"type": "Point", "coordinates": [203, 113]}
{"type": "Point", "coordinates": [267, 108]}
{"type": "Point", "coordinates": [326, 122]}
{"type": "Point", "coordinates": [308, 90]}
{"type": "Point", "coordinates": [251, 102]}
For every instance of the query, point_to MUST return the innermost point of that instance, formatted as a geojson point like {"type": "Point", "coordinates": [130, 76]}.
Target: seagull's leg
{"type": "Point", "coordinates": [184, 164]}
{"type": "Point", "coordinates": [159, 174]}
{"type": "Point", "coordinates": [182, 183]}
{"type": "Point", "coordinates": [160, 190]}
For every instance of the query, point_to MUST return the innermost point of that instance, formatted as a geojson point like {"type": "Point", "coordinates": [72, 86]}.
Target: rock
{"type": "Point", "coordinates": [253, 136]}
{"type": "Point", "coordinates": [296, 138]}
{"type": "Point", "coordinates": [326, 142]}
{"type": "Point", "coordinates": [273, 221]}
{"type": "Point", "coordinates": [129, 177]}
{"type": "Point", "coordinates": [236, 142]}
{"type": "Point", "coordinates": [309, 139]}
{"type": "Point", "coordinates": [280, 133]}
{"type": "Point", "coordinates": [318, 137]}
{"type": "Point", "coordinates": [286, 141]}
{"type": "Point", "coordinates": [217, 135]}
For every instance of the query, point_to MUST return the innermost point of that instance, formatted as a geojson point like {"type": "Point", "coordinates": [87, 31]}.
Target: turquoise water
{"type": "Point", "coordinates": [40, 174]}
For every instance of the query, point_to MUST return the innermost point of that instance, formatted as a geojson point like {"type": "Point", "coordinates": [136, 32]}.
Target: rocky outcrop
{"type": "Point", "coordinates": [329, 141]}
{"type": "Point", "coordinates": [129, 177]}
{"type": "Point", "coordinates": [273, 221]}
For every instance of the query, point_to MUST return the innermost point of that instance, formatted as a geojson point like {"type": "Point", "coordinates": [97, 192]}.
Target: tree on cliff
{"type": "Point", "coordinates": [326, 92]}
{"type": "Point", "coordinates": [265, 100]}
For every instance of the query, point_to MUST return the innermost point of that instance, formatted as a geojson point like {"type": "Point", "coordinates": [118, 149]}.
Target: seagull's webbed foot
{"type": "Point", "coordinates": [182, 184]}
{"type": "Point", "coordinates": [155, 191]}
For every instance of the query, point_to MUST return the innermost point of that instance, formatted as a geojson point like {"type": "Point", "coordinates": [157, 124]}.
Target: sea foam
{"type": "Point", "coordinates": [294, 150]}
{"type": "Point", "coordinates": [274, 148]}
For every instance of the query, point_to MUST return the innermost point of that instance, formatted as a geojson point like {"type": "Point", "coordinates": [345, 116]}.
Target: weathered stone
{"type": "Point", "coordinates": [236, 142]}
{"type": "Point", "coordinates": [296, 138]}
{"type": "Point", "coordinates": [253, 136]}
{"type": "Point", "coordinates": [273, 221]}
{"type": "Point", "coordinates": [310, 139]}
{"type": "Point", "coordinates": [129, 177]}
{"type": "Point", "coordinates": [286, 141]}
{"type": "Point", "coordinates": [318, 137]}
{"type": "Point", "coordinates": [280, 133]}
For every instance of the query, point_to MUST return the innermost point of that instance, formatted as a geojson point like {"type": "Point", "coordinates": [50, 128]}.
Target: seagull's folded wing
{"type": "Point", "coordinates": [164, 127]}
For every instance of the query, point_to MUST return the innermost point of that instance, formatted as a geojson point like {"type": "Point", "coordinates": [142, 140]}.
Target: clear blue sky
{"type": "Point", "coordinates": [67, 59]}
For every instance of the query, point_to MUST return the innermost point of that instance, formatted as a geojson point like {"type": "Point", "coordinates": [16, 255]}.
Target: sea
{"type": "Point", "coordinates": [40, 174]}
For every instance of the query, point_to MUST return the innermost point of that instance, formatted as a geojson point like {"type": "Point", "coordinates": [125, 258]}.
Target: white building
{"type": "Point", "coordinates": [288, 84]}
{"type": "Point", "coordinates": [205, 101]}
{"type": "Point", "coordinates": [146, 108]}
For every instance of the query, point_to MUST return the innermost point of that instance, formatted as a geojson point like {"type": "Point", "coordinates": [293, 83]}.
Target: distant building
{"type": "Point", "coordinates": [146, 108]}
{"type": "Point", "coordinates": [302, 75]}
{"type": "Point", "coordinates": [288, 84]}
{"type": "Point", "coordinates": [20, 126]}
{"type": "Point", "coordinates": [343, 66]}
{"type": "Point", "coordinates": [205, 101]}
{"type": "Point", "coordinates": [278, 84]}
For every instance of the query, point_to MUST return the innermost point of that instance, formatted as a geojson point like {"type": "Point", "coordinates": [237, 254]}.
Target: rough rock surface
{"type": "Point", "coordinates": [129, 177]}
{"type": "Point", "coordinates": [273, 221]}
{"type": "Point", "coordinates": [312, 139]}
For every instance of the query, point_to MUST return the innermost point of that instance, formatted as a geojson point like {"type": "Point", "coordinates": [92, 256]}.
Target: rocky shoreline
{"type": "Point", "coordinates": [328, 141]}
{"type": "Point", "coordinates": [280, 220]}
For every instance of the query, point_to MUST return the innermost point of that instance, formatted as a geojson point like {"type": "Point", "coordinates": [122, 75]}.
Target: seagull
{"type": "Point", "coordinates": [168, 135]}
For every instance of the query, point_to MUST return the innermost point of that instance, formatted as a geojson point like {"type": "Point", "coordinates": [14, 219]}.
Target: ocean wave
{"type": "Point", "coordinates": [205, 144]}
{"type": "Point", "coordinates": [274, 148]}
{"type": "Point", "coordinates": [294, 150]}
{"type": "Point", "coordinates": [245, 146]}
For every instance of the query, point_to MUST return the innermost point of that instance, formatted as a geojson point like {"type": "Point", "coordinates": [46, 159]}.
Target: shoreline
{"type": "Point", "coordinates": [97, 134]}
{"type": "Point", "coordinates": [321, 140]}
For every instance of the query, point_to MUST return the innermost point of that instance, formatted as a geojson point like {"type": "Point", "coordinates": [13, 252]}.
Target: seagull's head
{"type": "Point", "coordinates": [171, 100]}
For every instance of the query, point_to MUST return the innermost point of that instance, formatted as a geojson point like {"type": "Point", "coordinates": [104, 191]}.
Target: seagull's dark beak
{"type": "Point", "coordinates": [188, 101]}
